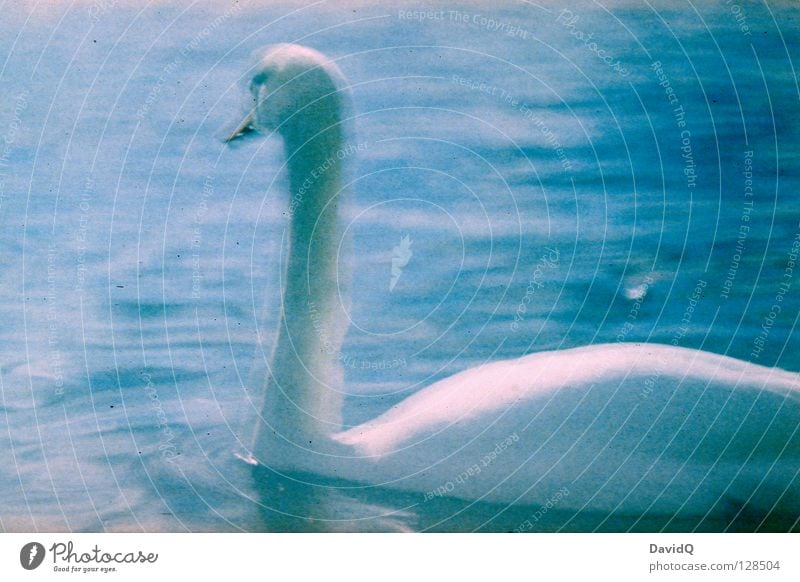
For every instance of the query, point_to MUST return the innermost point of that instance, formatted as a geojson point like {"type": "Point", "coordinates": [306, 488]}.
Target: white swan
{"type": "Point", "coordinates": [622, 429]}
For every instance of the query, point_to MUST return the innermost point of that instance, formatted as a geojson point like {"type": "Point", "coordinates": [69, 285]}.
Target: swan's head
{"type": "Point", "coordinates": [291, 89]}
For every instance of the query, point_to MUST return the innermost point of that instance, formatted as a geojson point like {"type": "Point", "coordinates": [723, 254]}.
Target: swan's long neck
{"type": "Point", "coordinates": [303, 400]}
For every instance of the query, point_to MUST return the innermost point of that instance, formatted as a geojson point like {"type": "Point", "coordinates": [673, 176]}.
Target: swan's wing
{"type": "Point", "coordinates": [640, 428]}
{"type": "Point", "coordinates": [603, 386]}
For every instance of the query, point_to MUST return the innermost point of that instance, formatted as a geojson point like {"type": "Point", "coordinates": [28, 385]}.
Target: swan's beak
{"type": "Point", "coordinates": [246, 126]}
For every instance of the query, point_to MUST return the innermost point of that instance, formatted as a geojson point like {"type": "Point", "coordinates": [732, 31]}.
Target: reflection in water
{"type": "Point", "coordinates": [300, 502]}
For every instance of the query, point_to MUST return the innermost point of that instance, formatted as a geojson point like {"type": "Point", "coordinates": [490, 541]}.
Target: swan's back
{"type": "Point", "coordinates": [626, 375]}
{"type": "Point", "coordinates": [623, 425]}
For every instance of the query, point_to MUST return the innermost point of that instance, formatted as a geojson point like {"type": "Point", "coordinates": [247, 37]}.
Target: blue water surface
{"type": "Point", "coordinates": [564, 175]}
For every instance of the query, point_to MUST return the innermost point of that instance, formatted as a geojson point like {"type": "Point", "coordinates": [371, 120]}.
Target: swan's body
{"type": "Point", "coordinates": [634, 429]}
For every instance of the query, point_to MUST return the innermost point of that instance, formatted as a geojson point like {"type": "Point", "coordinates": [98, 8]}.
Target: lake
{"type": "Point", "coordinates": [549, 176]}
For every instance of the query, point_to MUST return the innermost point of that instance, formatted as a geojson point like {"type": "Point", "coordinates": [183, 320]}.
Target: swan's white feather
{"type": "Point", "coordinates": [618, 371]}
